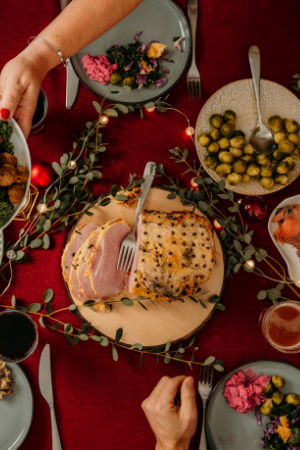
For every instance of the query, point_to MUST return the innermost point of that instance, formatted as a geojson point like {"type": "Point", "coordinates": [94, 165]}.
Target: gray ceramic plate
{"type": "Point", "coordinates": [160, 20]}
{"type": "Point", "coordinates": [227, 429]}
{"type": "Point", "coordinates": [16, 411]}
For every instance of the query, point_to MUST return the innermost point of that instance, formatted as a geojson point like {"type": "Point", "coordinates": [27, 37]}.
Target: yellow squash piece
{"type": "Point", "coordinates": [283, 430]}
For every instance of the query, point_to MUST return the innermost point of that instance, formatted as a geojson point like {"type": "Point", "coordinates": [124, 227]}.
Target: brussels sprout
{"type": "Point", "coordinates": [275, 123]}
{"type": "Point", "coordinates": [116, 77]}
{"type": "Point", "coordinates": [290, 162]}
{"type": "Point", "coordinates": [213, 148]}
{"type": "Point", "coordinates": [294, 138]}
{"type": "Point", "coordinates": [293, 399]}
{"type": "Point", "coordinates": [204, 139]}
{"type": "Point", "coordinates": [278, 381]}
{"type": "Point", "coordinates": [226, 157]}
{"type": "Point", "coordinates": [246, 178]}
{"type": "Point", "coordinates": [274, 164]}
{"type": "Point", "coordinates": [267, 182]}
{"type": "Point", "coordinates": [239, 133]}
{"type": "Point", "coordinates": [279, 136]}
{"type": "Point", "coordinates": [281, 179]}
{"type": "Point", "coordinates": [233, 178]}
{"type": "Point", "coordinates": [282, 167]}
{"type": "Point", "coordinates": [238, 142]}
{"type": "Point", "coordinates": [239, 166]}
{"type": "Point", "coordinates": [248, 149]}
{"type": "Point", "coordinates": [216, 121]}
{"type": "Point", "coordinates": [296, 153]}
{"type": "Point", "coordinates": [253, 170]}
{"type": "Point", "coordinates": [278, 155]}
{"type": "Point", "coordinates": [263, 160]}
{"type": "Point", "coordinates": [248, 158]}
{"type": "Point", "coordinates": [211, 160]}
{"type": "Point", "coordinates": [223, 169]}
{"type": "Point", "coordinates": [215, 134]}
{"type": "Point", "coordinates": [291, 126]}
{"type": "Point", "coordinates": [295, 438]}
{"type": "Point", "coordinates": [266, 171]}
{"type": "Point", "coordinates": [277, 397]}
{"type": "Point", "coordinates": [237, 152]}
{"type": "Point", "coordinates": [269, 389]}
{"type": "Point", "coordinates": [227, 130]}
{"type": "Point", "coordinates": [230, 116]}
{"type": "Point", "coordinates": [128, 81]}
{"type": "Point", "coordinates": [286, 146]}
{"type": "Point", "coordinates": [266, 408]}
{"type": "Point", "coordinates": [224, 143]}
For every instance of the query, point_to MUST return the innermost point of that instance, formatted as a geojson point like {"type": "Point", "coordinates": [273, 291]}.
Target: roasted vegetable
{"type": "Point", "coordinates": [213, 148]}
{"type": "Point", "coordinates": [230, 116]}
{"type": "Point", "coordinates": [204, 139]}
{"type": "Point", "coordinates": [294, 138]}
{"type": "Point", "coordinates": [267, 182]}
{"type": "Point", "coordinates": [295, 438]}
{"type": "Point", "coordinates": [266, 171]}
{"type": "Point", "coordinates": [237, 152]}
{"type": "Point", "coordinates": [263, 160]}
{"type": "Point", "coordinates": [286, 146]}
{"type": "Point", "coordinates": [238, 142]}
{"type": "Point", "coordinates": [239, 133]}
{"type": "Point", "coordinates": [282, 167]}
{"type": "Point", "coordinates": [291, 126]}
{"type": "Point", "coordinates": [227, 130]}
{"type": "Point", "coordinates": [128, 81]}
{"type": "Point", "coordinates": [275, 123]}
{"type": "Point", "coordinates": [279, 136]}
{"type": "Point", "coordinates": [216, 121]}
{"type": "Point", "coordinates": [215, 134]}
{"type": "Point", "coordinates": [246, 178]}
{"type": "Point", "coordinates": [226, 157]}
{"type": "Point", "coordinates": [239, 166]}
{"type": "Point", "coordinates": [269, 389]}
{"type": "Point", "coordinates": [290, 162]}
{"type": "Point", "coordinates": [248, 158]}
{"type": "Point", "coordinates": [277, 397]}
{"type": "Point", "coordinates": [223, 169]}
{"type": "Point", "coordinates": [252, 170]}
{"type": "Point", "coordinates": [281, 179]}
{"type": "Point", "coordinates": [293, 398]}
{"type": "Point", "coordinates": [116, 78]}
{"type": "Point", "coordinates": [266, 408]}
{"type": "Point", "coordinates": [296, 153]}
{"type": "Point", "coordinates": [248, 149]}
{"type": "Point", "coordinates": [224, 143]}
{"type": "Point", "coordinates": [211, 160]}
{"type": "Point", "coordinates": [278, 155]}
{"type": "Point", "coordinates": [274, 164]}
{"type": "Point", "coordinates": [233, 178]}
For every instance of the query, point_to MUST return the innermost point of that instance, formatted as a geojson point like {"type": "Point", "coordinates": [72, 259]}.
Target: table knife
{"type": "Point", "coordinates": [72, 79]}
{"type": "Point", "coordinates": [45, 383]}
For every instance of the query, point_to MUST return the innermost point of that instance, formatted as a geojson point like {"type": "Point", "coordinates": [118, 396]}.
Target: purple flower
{"type": "Point", "coordinates": [137, 36]}
{"type": "Point", "coordinates": [129, 65]}
{"type": "Point", "coordinates": [153, 62]}
{"type": "Point", "coordinates": [257, 416]}
{"type": "Point", "coordinates": [151, 42]}
{"type": "Point", "coordinates": [162, 57]}
{"type": "Point", "coordinates": [161, 81]}
{"type": "Point", "coordinates": [177, 44]}
{"type": "Point", "coordinates": [165, 70]}
{"type": "Point", "coordinates": [141, 80]}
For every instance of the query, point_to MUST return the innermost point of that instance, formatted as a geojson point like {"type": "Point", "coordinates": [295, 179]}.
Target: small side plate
{"type": "Point", "coordinates": [288, 252]}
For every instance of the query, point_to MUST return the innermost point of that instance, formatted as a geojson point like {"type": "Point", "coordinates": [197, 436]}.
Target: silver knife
{"type": "Point", "coordinates": [72, 79]}
{"type": "Point", "coordinates": [45, 383]}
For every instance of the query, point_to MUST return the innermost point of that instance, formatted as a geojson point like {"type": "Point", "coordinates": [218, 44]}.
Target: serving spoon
{"type": "Point", "coordinates": [262, 139]}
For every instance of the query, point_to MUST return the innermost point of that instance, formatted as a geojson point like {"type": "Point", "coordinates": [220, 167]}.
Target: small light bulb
{"type": "Point", "coordinates": [190, 131]}
{"type": "Point", "coordinates": [297, 283]}
{"type": "Point", "coordinates": [41, 207]}
{"type": "Point", "coordinates": [103, 120]}
{"type": "Point", "coordinates": [194, 185]}
{"type": "Point", "coordinates": [150, 109]}
{"type": "Point", "coordinates": [240, 201]}
{"type": "Point", "coordinates": [11, 254]}
{"type": "Point", "coordinates": [250, 264]}
{"type": "Point", "coordinates": [73, 165]}
{"type": "Point", "coordinates": [218, 227]}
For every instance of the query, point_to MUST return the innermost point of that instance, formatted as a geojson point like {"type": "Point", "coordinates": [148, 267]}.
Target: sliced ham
{"type": "Point", "coordinates": [82, 268]}
{"type": "Point", "coordinates": [78, 238]}
{"type": "Point", "coordinates": [130, 280]}
{"type": "Point", "coordinates": [105, 279]}
{"type": "Point", "coordinates": [74, 284]}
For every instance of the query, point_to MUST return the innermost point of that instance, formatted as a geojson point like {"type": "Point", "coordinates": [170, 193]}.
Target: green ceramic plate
{"type": "Point", "coordinates": [16, 411]}
{"type": "Point", "coordinates": [160, 20]}
{"type": "Point", "coordinates": [227, 429]}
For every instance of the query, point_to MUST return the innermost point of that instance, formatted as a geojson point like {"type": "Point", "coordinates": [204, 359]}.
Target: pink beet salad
{"type": "Point", "coordinates": [245, 391]}
{"type": "Point", "coordinates": [98, 68]}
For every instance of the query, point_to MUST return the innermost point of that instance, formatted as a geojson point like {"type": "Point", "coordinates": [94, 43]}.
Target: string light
{"type": "Point", "coordinates": [41, 208]}
{"type": "Point", "coordinates": [240, 201]}
{"type": "Point", "coordinates": [73, 165]}
{"type": "Point", "coordinates": [103, 120]}
{"type": "Point", "coordinates": [250, 264]}
{"type": "Point", "coordinates": [194, 185]}
{"type": "Point", "coordinates": [11, 254]}
{"type": "Point", "coordinates": [217, 226]}
{"type": "Point", "coordinates": [297, 283]}
{"type": "Point", "coordinates": [190, 131]}
{"type": "Point", "coordinates": [150, 109]}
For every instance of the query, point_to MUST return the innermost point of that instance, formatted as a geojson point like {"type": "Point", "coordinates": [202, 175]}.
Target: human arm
{"type": "Point", "coordinates": [80, 23]}
{"type": "Point", "coordinates": [173, 425]}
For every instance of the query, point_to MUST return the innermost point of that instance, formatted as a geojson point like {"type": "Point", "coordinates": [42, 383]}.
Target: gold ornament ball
{"type": "Point", "coordinates": [73, 165]}
{"type": "Point", "coordinates": [103, 120]}
{"type": "Point", "coordinates": [190, 131]}
{"type": "Point", "coordinates": [250, 264]}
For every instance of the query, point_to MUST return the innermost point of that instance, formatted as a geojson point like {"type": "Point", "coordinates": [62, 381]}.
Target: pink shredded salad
{"type": "Point", "coordinates": [98, 68]}
{"type": "Point", "coordinates": [244, 390]}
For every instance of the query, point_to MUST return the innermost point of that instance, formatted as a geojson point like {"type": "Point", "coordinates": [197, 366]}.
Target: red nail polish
{"type": "Point", "coordinates": [4, 113]}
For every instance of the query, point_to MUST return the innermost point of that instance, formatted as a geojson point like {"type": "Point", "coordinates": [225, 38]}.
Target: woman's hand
{"type": "Point", "coordinates": [173, 425]}
{"type": "Point", "coordinates": [20, 84]}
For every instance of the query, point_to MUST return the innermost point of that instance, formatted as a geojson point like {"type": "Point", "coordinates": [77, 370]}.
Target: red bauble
{"type": "Point", "coordinates": [42, 174]}
{"type": "Point", "coordinates": [253, 208]}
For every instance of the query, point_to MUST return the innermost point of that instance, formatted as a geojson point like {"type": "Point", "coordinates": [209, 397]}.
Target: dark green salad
{"type": "Point", "coordinates": [6, 207]}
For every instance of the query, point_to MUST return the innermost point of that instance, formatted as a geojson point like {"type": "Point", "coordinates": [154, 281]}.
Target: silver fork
{"type": "Point", "coordinates": [127, 249]}
{"type": "Point", "coordinates": [193, 80]}
{"type": "Point", "coordinates": [204, 388]}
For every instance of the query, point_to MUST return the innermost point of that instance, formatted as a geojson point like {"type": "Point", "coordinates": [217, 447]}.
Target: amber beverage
{"type": "Point", "coordinates": [280, 325]}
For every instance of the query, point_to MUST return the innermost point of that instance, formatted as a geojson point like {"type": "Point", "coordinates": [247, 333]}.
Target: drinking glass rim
{"type": "Point", "coordinates": [265, 321]}
{"type": "Point", "coordinates": [34, 346]}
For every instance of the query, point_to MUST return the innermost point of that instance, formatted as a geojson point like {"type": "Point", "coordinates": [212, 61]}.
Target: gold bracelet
{"type": "Point", "coordinates": [59, 53]}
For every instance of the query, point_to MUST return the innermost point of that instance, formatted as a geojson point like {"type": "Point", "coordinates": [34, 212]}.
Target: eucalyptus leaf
{"type": "Point", "coordinates": [57, 169]}
{"type": "Point", "coordinates": [72, 307]}
{"type": "Point", "coordinates": [34, 307]}
{"type": "Point", "coordinates": [218, 368]}
{"type": "Point", "coordinates": [214, 299]}
{"type": "Point", "coordinates": [127, 302]}
{"type": "Point", "coordinates": [149, 105]}
{"type": "Point", "coordinates": [22, 309]}
{"type": "Point", "coordinates": [65, 157]}
{"type": "Point", "coordinates": [222, 184]}
{"type": "Point", "coordinates": [104, 341]}
{"type": "Point", "coordinates": [168, 346]}
{"type": "Point", "coordinates": [209, 360]}
{"type": "Point", "coordinates": [83, 337]}
{"type": "Point", "coordinates": [220, 306]}
{"type": "Point", "coordinates": [19, 255]}
{"type": "Point", "coordinates": [110, 112]}
{"type": "Point", "coordinates": [41, 322]}
{"type": "Point", "coordinates": [47, 225]}
{"type": "Point", "coordinates": [119, 334]}
{"type": "Point", "coordinates": [73, 180]}
{"type": "Point", "coordinates": [167, 358]}
{"type": "Point", "coordinates": [127, 89]}
{"type": "Point", "coordinates": [137, 346]}
{"type": "Point", "coordinates": [97, 107]}
{"type": "Point", "coordinates": [122, 108]}
{"type": "Point", "coordinates": [48, 308]}
{"type": "Point", "coordinates": [238, 246]}
{"type": "Point", "coordinates": [68, 328]}
{"type": "Point", "coordinates": [36, 243]}
{"type": "Point", "coordinates": [121, 197]}
{"type": "Point", "coordinates": [46, 241]}
{"type": "Point", "coordinates": [262, 295]}
{"type": "Point", "coordinates": [171, 196]}
{"type": "Point", "coordinates": [114, 353]}
{"type": "Point", "coordinates": [13, 301]}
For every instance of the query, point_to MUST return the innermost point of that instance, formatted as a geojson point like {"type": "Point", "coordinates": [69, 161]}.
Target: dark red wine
{"type": "Point", "coordinates": [17, 335]}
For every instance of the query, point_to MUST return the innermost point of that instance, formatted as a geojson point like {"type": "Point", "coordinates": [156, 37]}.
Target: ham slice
{"type": "Point", "coordinates": [130, 280]}
{"type": "Point", "coordinates": [74, 284]}
{"type": "Point", "coordinates": [82, 267]}
{"type": "Point", "coordinates": [105, 279]}
{"type": "Point", "coordinates": [78, 238]}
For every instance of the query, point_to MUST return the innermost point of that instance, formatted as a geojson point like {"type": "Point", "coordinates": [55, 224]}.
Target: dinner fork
{"type": "Point", "coordinates": [128, 245]}
{"type": "Point", "coordinates": [204, 388]}
{"type": "Point", "coordinates": [193, 80]}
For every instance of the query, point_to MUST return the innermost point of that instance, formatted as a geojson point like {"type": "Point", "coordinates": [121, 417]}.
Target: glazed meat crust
{"type": "Point", "coordinates": [15, 193]}
{"type": "Point", "coordinates": [22, 174]}
{"type": "Point", "coordinates": [7, 158]}
{"type": "Point", "coordinates": [8, 175]}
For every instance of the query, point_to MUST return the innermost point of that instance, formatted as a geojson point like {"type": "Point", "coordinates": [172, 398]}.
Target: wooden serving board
{"type": "Point", "coordinates": [163, 321]}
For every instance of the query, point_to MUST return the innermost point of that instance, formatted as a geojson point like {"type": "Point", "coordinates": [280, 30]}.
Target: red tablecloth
{"type": "Point", "coordinates": [98, 400]}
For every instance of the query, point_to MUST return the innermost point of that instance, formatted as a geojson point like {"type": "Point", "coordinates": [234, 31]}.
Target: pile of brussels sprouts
{"type": "Point", "coordinates": [275, 396]}
{"type": "Point", "coordinates": [232, 158]}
